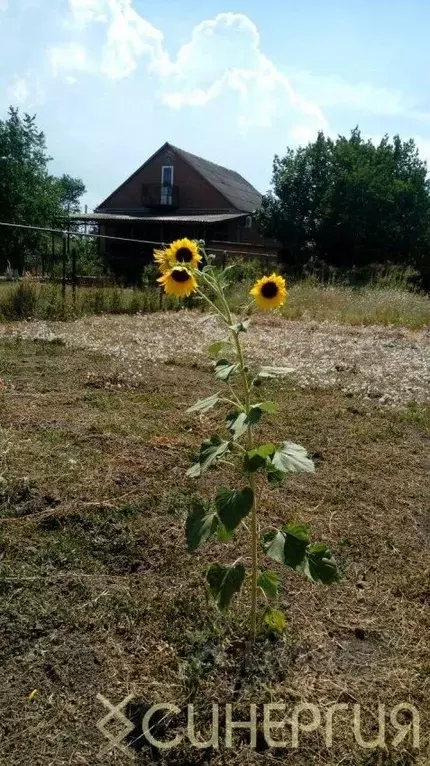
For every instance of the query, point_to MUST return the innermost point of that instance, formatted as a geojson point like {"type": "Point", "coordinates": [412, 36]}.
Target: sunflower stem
{"type": "Point", "coordinates": [250, 443]}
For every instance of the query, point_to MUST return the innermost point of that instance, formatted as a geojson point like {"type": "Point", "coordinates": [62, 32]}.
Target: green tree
{"type": "Point", "coordinates": [350, 203]}
{"type": "Point", "coordinates": [29, 195]}
{"type": "Point", "coordinates": [69, 190]}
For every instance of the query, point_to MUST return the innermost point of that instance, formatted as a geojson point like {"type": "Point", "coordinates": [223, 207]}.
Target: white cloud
{"type": "Point", "coordinates": [223, 54]}
{"type": "Point", "coordinates": [302, 134]}
{"type": "Point", "coordinates": [334, 91]}
{"type": "Point", "coordinates": [19, 91]}
{"type": "Point", "coordinates": [68, 57]}
{"type": "Point", "coordinates": [24, 91]}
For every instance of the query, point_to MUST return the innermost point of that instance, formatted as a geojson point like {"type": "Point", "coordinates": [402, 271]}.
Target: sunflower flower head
{"type": "Point", "coordinates": [163, 260]}
{"type": "Point", "coordinates": [186, 252]}
{"type": "Point", "coordinates": [178, 281]}
{"type": "Point", "coordinates": [269, 292]}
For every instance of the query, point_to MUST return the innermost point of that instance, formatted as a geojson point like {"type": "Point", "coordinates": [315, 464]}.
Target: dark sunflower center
{"type": "Point", "coordinates": [183, 255]}
{"type": "Point", "coordinates": [269, 290]}
{"type": "Point", "coordinates": [180, 275]}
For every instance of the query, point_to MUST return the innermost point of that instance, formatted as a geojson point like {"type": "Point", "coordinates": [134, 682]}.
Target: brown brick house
{"type": "Point", "coordinates": [176, 194]}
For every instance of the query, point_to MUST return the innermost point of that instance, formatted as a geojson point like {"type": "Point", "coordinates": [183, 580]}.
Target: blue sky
{"type": "Point", "coordinates": [112, 80]}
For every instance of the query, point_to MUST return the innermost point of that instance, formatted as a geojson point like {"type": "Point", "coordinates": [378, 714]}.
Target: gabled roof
{"type": "Point", "coordinates": [236, 189]}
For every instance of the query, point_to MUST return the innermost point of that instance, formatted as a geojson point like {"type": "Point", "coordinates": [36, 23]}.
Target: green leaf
{"type": "Point", "coordinates": [224, 582]}
{"type": "Point", "coordinates": [296, 543]}
{"type": "Point", "coordinates": [224, 535]}
{"type": "Point", "coordinates": [215, 348]}
{"type": "Point", "coordinates": [269, 582]}
{"type": "Point", "coordinates": [274, 476]}
{"type": "Point", "coordinates": [275, 621]}
{"type": "Point", "coordinates": [224, 369]}
{"type": "Point", "coordinates": [239, 422]}
{"type": "Point", "coordinates": [293, 458]}
{"type": "Point", "coordinates": [275, 372]}
{"type": "Point", "coordinates": [273, 544]}
{"type": "Point", "coordinates": [257, 458]}
{"type": "Point", "coordinates": [240, 326]}
{"type": "Point", "coordinates": [269, 407]}
{"type": "Point", "coordinates": [321, 566]}
{"type": "Point", "coordinates": [254, 415]}
{"type": "Point", "coordinates": [233, 505]}
{"type": "Point", "coordinates": [204, 405]}
{"type": "Point", "coordinates": [236, 423]}
{"type": "Point", "coordinates": [201, 523]}
{"type": "Point", "coordinates": [210, 451]}
{"type": "Point", "coordinates": [288, 545]}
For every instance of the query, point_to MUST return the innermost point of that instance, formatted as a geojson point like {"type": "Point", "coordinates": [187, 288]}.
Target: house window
{"type": "Point", "coordinates": [166, 184]}
{"type": "Point", "coordinates": [248, 222]}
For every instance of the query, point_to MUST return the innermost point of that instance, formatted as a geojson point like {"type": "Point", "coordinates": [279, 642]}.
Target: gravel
{"type": "Point", "coordinates": [388, 364]}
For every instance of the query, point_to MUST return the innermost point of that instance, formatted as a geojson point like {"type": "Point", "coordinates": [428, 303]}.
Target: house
{"type": "Point", "coordinates": [177, 194]}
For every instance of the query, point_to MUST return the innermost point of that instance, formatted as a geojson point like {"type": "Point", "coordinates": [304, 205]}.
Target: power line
{"type": "Point", "coordinates": [67, 233]}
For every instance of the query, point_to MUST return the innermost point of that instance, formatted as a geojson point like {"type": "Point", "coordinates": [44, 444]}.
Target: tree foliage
{"type": "Point", "coordinates": [350, 203]}
{"type": "Point", "coordinates": [29, 194]}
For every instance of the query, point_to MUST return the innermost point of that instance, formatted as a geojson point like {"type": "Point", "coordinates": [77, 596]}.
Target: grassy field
{"type": "Point", "coordinates": [99, 593]}
{"type": "Point", "coordinates": [384, 301]}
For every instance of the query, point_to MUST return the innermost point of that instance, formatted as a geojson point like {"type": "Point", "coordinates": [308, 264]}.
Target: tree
{"type": "Point", "coordinates": [69, 191]}
{"type": "Point", "coordinates": [29, 195]}
{"type": "Point", "coordinates": [350, 203]}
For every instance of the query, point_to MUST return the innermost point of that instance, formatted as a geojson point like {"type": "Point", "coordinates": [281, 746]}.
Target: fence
{"type": "Point", "coordinates": [68, 259]}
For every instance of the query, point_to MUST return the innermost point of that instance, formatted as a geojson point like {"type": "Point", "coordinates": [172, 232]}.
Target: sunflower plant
{"type": "Point", "coordinates": [186, 269]}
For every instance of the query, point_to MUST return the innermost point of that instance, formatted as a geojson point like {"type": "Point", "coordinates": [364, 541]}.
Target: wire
{"type": "Point", "coordinates": [67, 233]}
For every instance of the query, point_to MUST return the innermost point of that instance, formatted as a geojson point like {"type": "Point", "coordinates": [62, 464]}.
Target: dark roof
{"type": "Point", "coordinates": [241, 194]}
{"type": "Point", "coordinates": [236, 189]}
{"type": "Point", "coordinates": [205, 218]}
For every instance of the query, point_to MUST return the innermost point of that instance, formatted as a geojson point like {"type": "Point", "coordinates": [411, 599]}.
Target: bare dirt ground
{"type": "Point", "coordinates": [100, 595]}
{"type": "Point", "coordinates": [389, 364]}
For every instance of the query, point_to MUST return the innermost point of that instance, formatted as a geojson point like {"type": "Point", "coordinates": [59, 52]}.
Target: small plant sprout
{"type": "Point", "coordinates": [186, 269]}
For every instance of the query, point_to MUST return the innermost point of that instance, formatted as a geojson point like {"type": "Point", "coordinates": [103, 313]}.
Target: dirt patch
{"type": "Point", "coordinates": [389, 364]}
{"type": "Point", "coordinates": [100, 596]}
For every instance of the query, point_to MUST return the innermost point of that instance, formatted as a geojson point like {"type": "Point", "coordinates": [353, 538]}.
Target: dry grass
{"type": "Point", "coordinates": [380, 303]}
{"type": "Point", "coordinates": [387, 364]}
{"type": "Point", "coordinates": [100, 595]}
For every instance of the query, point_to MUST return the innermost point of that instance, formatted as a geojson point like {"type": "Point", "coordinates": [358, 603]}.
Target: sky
{"type": "Point", "coordinates": [111, 80]}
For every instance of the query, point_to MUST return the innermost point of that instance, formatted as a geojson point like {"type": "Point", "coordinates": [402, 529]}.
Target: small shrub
{"type": "Point", "coordinates": [20, 301]}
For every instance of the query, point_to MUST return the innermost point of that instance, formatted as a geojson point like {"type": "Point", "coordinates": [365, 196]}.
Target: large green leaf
{"type": "Point", "coordinates": [257, 458]}
{"type": "Point", "coordinates": [224, 582]}
{"type": "Point", "coordinates": [203, 405]}
{"type": "Point", "coordinates": [210, 451]}
{"type": "Point", "coordinates": [288, 545]}
{"type": "Point", "coordinates": [296, 543]}
{"type": "Point", "coordinates": [291, 546]}
{"type": "Point", "coordinates": [269, 582]}
{"type": "Point", "coordinates": [233, 505]}
{"type": "Point", "coordinates": [273, 544]}
{"type": "Point", "coordinates": [292, 458]}
{"type": "Point", "coordinates": [224, 369]}
{"type": "Point", "coordinates": [239, 422]}
{"type": "Point", "coordinates": [320, 565]}
{"type": "Point", "coordinates": [200, 525]}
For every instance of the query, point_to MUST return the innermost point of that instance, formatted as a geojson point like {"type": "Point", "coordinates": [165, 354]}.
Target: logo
{"type": "Point", "coordinates": [115, 714]}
